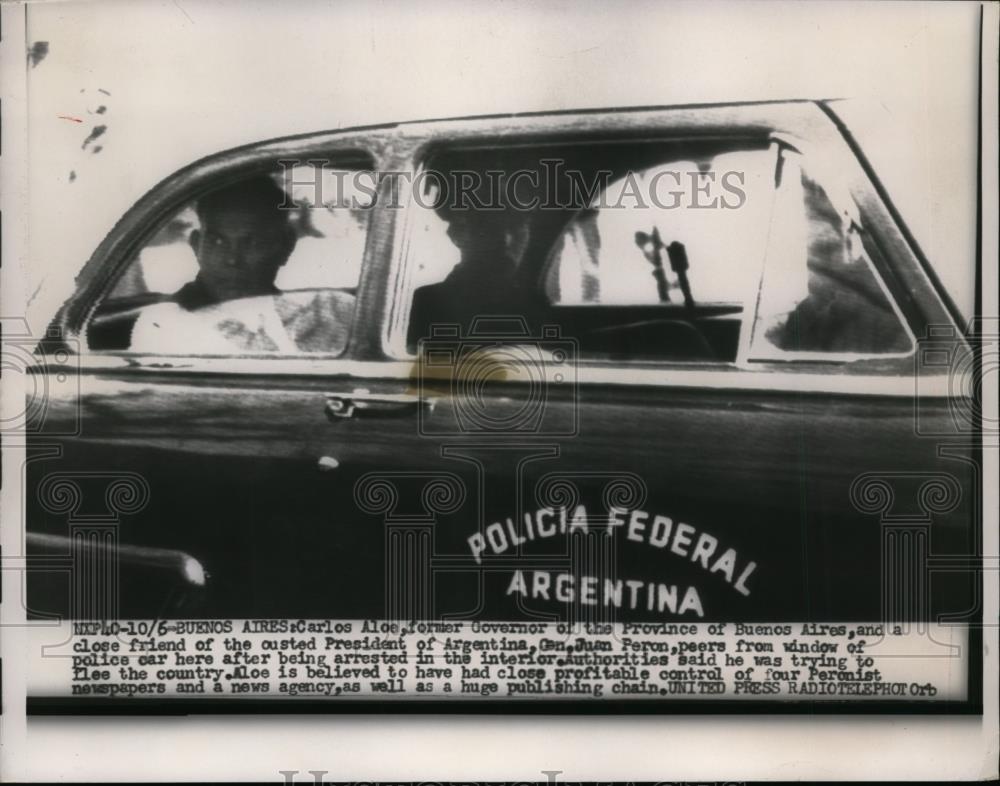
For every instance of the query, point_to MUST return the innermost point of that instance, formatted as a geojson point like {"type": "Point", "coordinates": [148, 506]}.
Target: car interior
{"type": "Point", "coordinates": [663, 316]}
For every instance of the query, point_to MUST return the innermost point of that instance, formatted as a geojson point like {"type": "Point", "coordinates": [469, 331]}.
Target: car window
{"type": "Point", "coordinates": [821, 296]}
{"type": "Point", "coordinates": [268, 264]}
{"type": "Point", "coordinates": [636, 249]}
{"type": "Point", "coordinates": [617, 251]}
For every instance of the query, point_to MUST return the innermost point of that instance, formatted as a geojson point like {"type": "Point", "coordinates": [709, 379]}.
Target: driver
{"type": "Point", "coordinates": [233, 304]}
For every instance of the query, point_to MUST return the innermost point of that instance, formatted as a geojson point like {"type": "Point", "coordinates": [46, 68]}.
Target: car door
{"type": "Point", "coordinates": [202, 478]}
{"type": "Point", "coordinates": [736, 443]}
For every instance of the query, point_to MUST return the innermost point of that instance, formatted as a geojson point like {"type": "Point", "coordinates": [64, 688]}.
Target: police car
{"type": "Point", "coordinates": [669, 364]}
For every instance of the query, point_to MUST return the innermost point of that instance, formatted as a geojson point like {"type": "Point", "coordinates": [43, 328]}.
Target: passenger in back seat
{"type": "Point", "coordinates": [483, 283]}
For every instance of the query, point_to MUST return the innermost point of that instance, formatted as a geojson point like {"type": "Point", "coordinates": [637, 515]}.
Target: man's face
{"type": "Point", "coordinates": [485, 243]}
{"type": "Point", "coordinates": [240, 251]}
{"type": "Point", "coordinates": [459, 230]}
{"type": "Point", "coordinates": [479, 240]}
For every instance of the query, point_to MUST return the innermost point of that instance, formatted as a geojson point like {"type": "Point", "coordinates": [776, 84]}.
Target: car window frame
{"type": "Point", "coordinates": [150, 213]}
{"type": "Point", "coordinates": [799, 124]}
{"type": "Point", "coordinates": [875, 265]}
{"type": "Point", "coordinates": [394, 336]}
{"type": "Point", "coordinates": [399, 148]}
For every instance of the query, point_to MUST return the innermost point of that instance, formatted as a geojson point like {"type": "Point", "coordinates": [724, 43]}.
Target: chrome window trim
{"type": "Point", "coordinates": [727, 377]}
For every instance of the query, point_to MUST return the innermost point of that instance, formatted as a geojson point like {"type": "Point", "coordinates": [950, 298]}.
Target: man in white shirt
{"type": "Point", "coordinates": [233, 305]}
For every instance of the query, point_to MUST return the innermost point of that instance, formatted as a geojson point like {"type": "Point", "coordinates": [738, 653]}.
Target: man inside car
{"type": "Point", "coordinates": [233, 304]}
{"type": "Point", "coordinates": [486, 280]}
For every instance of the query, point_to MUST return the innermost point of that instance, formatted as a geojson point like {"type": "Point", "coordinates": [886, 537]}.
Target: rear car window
{"type": "Point", "coordinates": [821, 295]}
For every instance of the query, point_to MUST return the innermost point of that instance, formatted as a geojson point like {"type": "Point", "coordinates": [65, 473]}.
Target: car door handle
{"type": "Point", "coordinates": [364, 404]}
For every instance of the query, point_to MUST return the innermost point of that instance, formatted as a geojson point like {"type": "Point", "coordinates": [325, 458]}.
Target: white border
{"type": "Point", "coordinates": [499, 747]}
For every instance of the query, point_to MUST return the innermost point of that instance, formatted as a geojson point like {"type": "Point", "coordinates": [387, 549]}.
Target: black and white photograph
{"type": "Point", "coordinates": [462, 378]}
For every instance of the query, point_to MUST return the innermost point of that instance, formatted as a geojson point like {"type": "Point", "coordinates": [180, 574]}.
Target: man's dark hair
{"type": "Point", "coordinates": [259, 196]}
